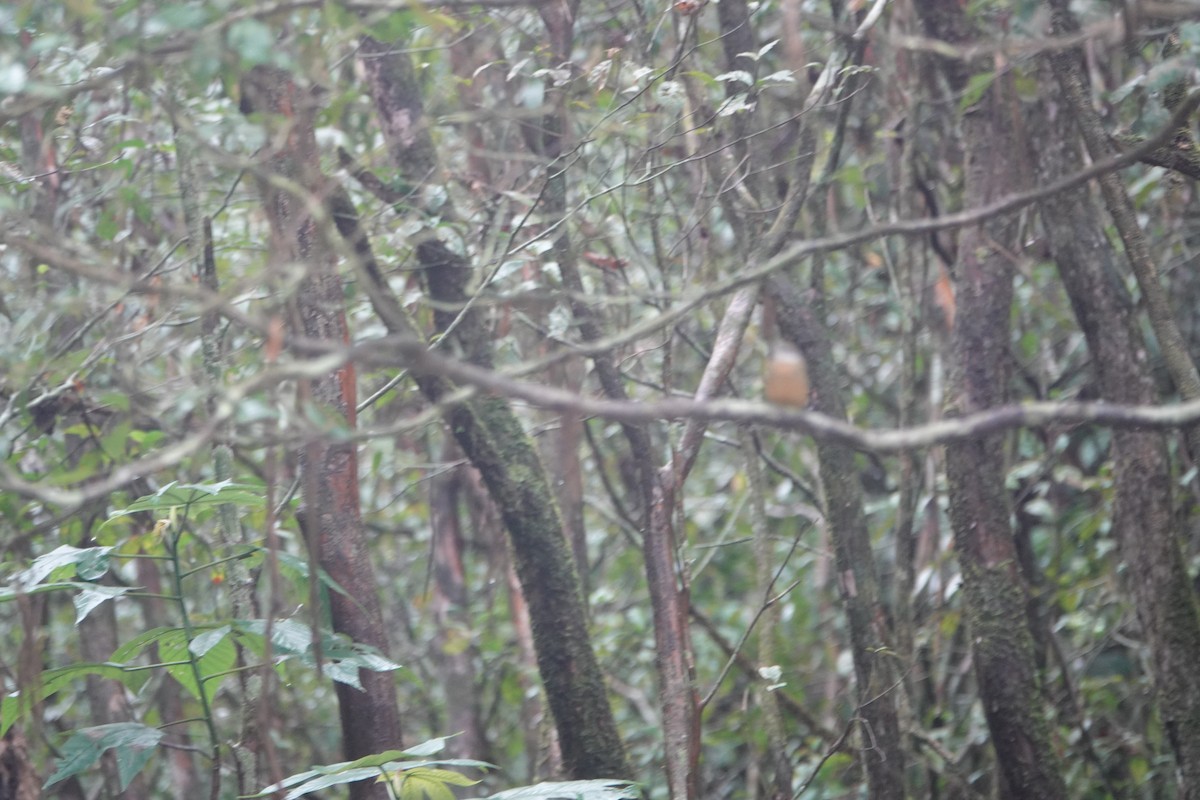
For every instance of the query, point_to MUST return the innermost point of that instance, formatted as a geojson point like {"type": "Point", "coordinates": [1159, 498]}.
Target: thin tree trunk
{"type": "Point", "coordinates": [18, 779]}
{"type": "Point", "coordinates": [106, 698]}
{"type": "Point", "coordinates": [858, 582]}
{"type": "Point", "coordinates": [492, 437]}
{"type": "Point", "coordinates": [995, 596]}
{"type": "Point", "coordinates": [454, 647]}
{"type": "Point", "coordinates": [1174, 349]}
{"type": "Point", "coordinates": [332, 520]}
{"type": "Point", "coordinates": [668, 598]}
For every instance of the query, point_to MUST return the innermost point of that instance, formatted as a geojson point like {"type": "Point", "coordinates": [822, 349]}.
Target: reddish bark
{"type": "Point", "coordinates": [332, 518]}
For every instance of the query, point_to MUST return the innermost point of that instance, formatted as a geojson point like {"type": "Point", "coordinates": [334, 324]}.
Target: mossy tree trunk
{"type": "Point", "coordinates": [1144, 523]}
{"type": "Point", "coordinates": [493, 439]}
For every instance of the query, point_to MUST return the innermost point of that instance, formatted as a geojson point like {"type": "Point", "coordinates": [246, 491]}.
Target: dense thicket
{"type": "Point", "coordinates": [373, 372]}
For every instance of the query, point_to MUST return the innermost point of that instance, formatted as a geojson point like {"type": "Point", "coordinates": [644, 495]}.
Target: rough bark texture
{"type": "Point", "coordinates": [329, 471]}
{"type": "Point", "coordinates": [499, 448]}
{"type": "Point", "coordinates": [858, 584]}
{"type": "Point", "coordinates": [1166, 605]}
{"type": "Point", "coordinates": [979, 509]}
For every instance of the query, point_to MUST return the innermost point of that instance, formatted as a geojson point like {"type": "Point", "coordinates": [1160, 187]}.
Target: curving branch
{"type": "Point", "coordinates": [414, 355]}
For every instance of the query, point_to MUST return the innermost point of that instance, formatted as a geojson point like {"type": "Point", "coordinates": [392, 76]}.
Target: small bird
{"type": "Point", "coordinates": [786, 379]}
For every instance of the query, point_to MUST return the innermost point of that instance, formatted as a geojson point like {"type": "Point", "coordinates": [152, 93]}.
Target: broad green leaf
{"type": "Point", "coordinates": [63, 556]}
{"type": "Point", "coordinates": [299, 566]}
{"type": "Point", "coordinates": [325, 781]}
{"type": "Point", "coordinates": [374, 760]}
{"type": "Point", "coordinates": [288, 636]}
{"type": "Point", "coordinates": [179, 495]}
{"type": "Point", "coordinates": [208, 640]}
{"type": "Point", "coordinates": [428, 747]}
{"type": "Point", "coordinates": [428, 783]}
{"type": "Point", "coordinates": [133, 741]}
{"type": "Point", "coordinates": [127, 651]}
{"type": "Point", "coordinates": [342, 657]}
{"type": "Point", "coordinates": [93, 564]}
{"type": "Point", "coordinates": [572, 790]}
{"type": "Point", "coordinates": [371, 767]}
{"type": "Point", "coordinates": [13, 592]}
{"type": "Point", "coordinates": [52, 680]}
{"type": "Point", "coordinates": [219, 659]}
{"type": "Point", "coordinates": [91, 597]}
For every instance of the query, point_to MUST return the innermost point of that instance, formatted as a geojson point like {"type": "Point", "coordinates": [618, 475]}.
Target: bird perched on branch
{"type": "Point", "coordinates": [786, 379]}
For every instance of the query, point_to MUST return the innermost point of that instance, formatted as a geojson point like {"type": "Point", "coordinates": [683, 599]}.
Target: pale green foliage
{"type": "Point", "coordinates": [676, 163]}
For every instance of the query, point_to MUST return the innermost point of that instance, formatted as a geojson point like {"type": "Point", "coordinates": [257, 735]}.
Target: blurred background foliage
{"type": "Point", "coordinates": [101, 365]}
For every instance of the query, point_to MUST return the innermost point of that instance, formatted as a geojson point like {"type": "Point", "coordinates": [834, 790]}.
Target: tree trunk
{"type": "Point", "coordinates": [106, 697]}
{"type": "Point", "coordinates": [995, 595]}
{"type": "Point", "coordinates": [329, 470]}
{"type": "Point", "coordinates": [654, 502]}
{"type": "Point", "coordinates": [876, 678]}
{"type": "Point", "coordinates": [454, 648]}
{"type": "Point", "coordinates": [1166, 604]}
{"type": "Point", "coordinates": [492, 437]}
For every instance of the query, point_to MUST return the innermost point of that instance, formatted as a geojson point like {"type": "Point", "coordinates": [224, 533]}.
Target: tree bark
{"type": "Point", "coordinates": [995, 595]}
{"type": "Point", "coordinates": [492, 437]}
{"type": "Point", "coordinates": [455, 650]}
{"type": "Point", "coordinates": [106, 697]}
{"type": "Point", "coordinates": [1176, 357]}
{"type": "Point", "coordinates": [876, 678]}
{"type": "Point", "coordinates": [1144, 525]}
{"type": "Point", "coordinates": [329, 470]}
{"type": "Point", "coordinates": [655, 503]}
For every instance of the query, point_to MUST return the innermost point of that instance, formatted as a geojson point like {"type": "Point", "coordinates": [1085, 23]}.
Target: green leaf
{"type": "Point", "coordinates": [212, 666]}
{"type": "Point", "coordinates": [976, 86]}
{"type": "Point", "coordinates": [375, 760]}
{"type": "Point", "coordinates": [65, 555]}
{"type": "Point", "coordinates": [178, 495]}
{"type": "Point", "coordinates": [343, 658]}
{"type": "Point", "coordinates": [133, 741]}
{"type": "Point", "coordinates": [428, 783]}
{"type": "Point", "coordinates": [325, 781]}
{"type": "Point", "coordinates": [573, 790]}
{"type": "Point", "coordinates": [51, 681]}
{"type": "Point", "coordinates": [429, 747]}
{"type": "Point", "coordinates": [299, 566]}
{"type": "Point", "coordinates": [92, 564]}
{"type": "Point", "coordinates": [206, 641]}
{"type": "Point", "coordinates": [13, 592]}
{"type": "Point", "coordinates": [135, 645]}
{"type": "Point", "coordinates": [373, 766]}
{"type": "Point", "coordinates": [92, 596]}
{"type": "Point", "coordinates": [288, 636]}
